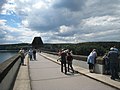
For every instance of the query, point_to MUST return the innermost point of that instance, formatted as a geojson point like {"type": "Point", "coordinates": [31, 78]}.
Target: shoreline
{"type": "Point", "coordinates": [9, 50]}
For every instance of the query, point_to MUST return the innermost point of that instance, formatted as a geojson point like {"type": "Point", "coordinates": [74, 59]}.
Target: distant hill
{"type": "Point", "coordinates": [83, 48]}
{"type": "Point", "coordinates": [14, 46]}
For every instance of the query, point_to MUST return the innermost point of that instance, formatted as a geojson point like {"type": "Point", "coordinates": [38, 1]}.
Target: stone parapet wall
{"type": "Point", "coordinates": [8, 72]}
{"type": "Point", "coordinates": [81, 61]}
{"type": "Point", "coordinates": [79, 57]}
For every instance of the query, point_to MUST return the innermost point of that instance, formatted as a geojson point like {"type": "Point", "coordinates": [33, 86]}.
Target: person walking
{"type": "Point", "coordinates": [21, 52]}
{"type": "Point", "coordinates": [30, 53]}
{"type": "Point", "coordinates": [69, 60]}
{"type": "Point", "coordinates": [34, 54]}
{"type": "Point", "coordinates": [106, 64]}
{"type": "Point", "coordinates": [114, 62]}
{"type": "Point", "coordinates": [63, 61]}
{"type": "Point", "coordinates": [59, 54]}
{"type": "Point", "coordinates": [91, 60]}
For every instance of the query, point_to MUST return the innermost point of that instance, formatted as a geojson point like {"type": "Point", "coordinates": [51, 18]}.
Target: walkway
{"type": "Point", "coordinates": [23, 81]}
{"type": "Point", "coordinates": [99, 77]}
{"type": "Point", "coordinates": [45, 75]}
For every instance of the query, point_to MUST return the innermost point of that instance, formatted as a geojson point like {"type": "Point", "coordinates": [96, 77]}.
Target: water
{"type": "Point", "coordinates": [4, 55]}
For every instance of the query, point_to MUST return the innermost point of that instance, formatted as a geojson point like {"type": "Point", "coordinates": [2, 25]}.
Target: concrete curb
{"type": "Point", "coordinates": [23, 79]}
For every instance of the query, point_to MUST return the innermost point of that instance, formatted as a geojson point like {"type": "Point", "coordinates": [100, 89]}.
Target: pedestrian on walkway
{"type": "Point", "coordinates": [91, 60]}
{"type": "Point", "coordinates": [63, 61]}
{"type": "Point", "coordinates": [69, 61]}
{"type": "Point", "coordinates": [113, 57]}
{"type": "Point", "coordinates": [114, 47]}
{"type": "Point", "coordinates": [106, 64]}
{"type": "Point", "coordinates": [21, 52]}
{"type": "Point", "coordinates": [34, 54]}
{"type": "Point", "coordinates": [30, 53]}
{"type": "Point", "coordinates": [59, 54]}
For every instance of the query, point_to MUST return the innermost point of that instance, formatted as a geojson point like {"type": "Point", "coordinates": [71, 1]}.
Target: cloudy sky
{"type": "Point", "coordinates": [59, 21]}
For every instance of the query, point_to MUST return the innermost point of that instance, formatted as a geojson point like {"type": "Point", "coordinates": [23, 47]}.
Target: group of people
{"type": "Point", "coordinates": [32, 54]}
{"type": "Point", "coordinates": [66, 58]}
{"type": "Point", "coordinates": [111, 62]}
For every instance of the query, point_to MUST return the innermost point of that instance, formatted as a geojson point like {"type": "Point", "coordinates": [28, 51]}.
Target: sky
{"type": "Point", "coordinates": [59, 21]}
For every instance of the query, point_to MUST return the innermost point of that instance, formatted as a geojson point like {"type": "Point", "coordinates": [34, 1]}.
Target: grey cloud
{"type": "Point", "coordinates": [2, 34]}
{"type": "Point", "coordinates": [2, 2]}
{"type": "Point", "coordinates": [54, 18]}
{"type": "Point", "coordinates": [101, 8]}
{"type": "Point", "coordinates": [72, 13]}
{"type": "Point", "coordinates": [107, 38]}
{"type": "Point", "coordinates": [50, 20]}
{"type": "Point", "coordinates": [67, 34]}
{"type": "Point", "coordinates": [57, 39]}
{"type": "Point", "coordinates": [72, 5]}
{"type": "Point", "coordinates": [105, 35]}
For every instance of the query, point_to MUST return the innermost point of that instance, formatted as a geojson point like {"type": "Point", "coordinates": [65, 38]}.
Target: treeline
{"type": "Point", "coordinates": [84, 48]}
{"type": "Point", "coordinates": [14, 46]}
{"type": "Point", "coordinates": [77, 49]}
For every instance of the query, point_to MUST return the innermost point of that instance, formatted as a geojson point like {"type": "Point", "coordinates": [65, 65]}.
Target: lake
{"type": "Point", "coordinates": [4, 55]}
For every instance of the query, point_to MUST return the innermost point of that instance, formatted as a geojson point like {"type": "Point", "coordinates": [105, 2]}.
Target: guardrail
{"type": "Point", "coordinates": [8, 72]}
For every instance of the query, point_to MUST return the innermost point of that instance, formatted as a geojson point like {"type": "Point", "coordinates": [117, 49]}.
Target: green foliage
{"type": "Point", "coordinates": [14, 46]}
{"type": "Point", "coordinates": [86, 48]}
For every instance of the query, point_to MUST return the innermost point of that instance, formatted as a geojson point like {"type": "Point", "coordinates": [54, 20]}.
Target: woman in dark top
{"type": "Point", "coordinates": [69, 60]}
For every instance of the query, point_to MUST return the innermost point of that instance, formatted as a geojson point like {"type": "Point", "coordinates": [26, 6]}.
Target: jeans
{"type": "Point", "coordinates": [114, 70]}
{"type": "Point", "coordinates": [63, 64]}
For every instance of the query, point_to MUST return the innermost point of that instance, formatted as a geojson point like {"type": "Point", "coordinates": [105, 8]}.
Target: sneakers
{"type": "Point", "coordinates": [112, 78]}
{"type": "Point", "coordinates": [91, 71]}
